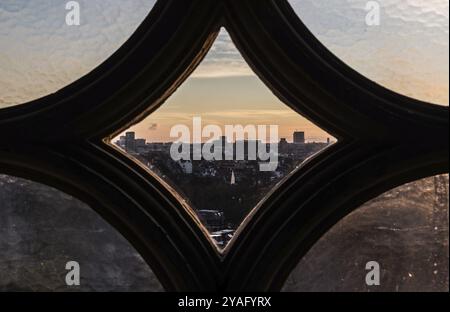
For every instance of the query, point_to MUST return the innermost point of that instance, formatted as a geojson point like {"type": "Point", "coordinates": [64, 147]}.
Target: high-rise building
{"type": "Point", "coordinates": [121, 141]}
{"type": "Point", "coordinates": [299, 137]}
{"type": "Point", "coordinates": [130, 142]}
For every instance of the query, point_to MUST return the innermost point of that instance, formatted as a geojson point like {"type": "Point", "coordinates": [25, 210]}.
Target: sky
{"type": "Point", "coordinates": [408, 52]}
{"type": "Point", "coordinates": [223, 90]}
{"type": "Point", "coordinates": [40, 54]}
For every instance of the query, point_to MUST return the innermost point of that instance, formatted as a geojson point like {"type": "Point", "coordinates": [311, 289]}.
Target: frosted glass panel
{"type": "Point", "coordinates": [41, 229]}
{"type": "Point", "coordinates": [40, 53]}
{"type": "Point", "coordinates": [404, 230]}
{"type": "Point", "coordinates": [407, 52]}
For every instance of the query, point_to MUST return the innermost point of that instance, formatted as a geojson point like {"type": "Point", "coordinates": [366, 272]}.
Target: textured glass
{"type": "Point", "coordinates": [40, 53]}
{"type": "Point", "coordinates": [407, 51]}
{"type": "Point", "coordinates": [405, 230]}
{"type": "Point", "coordinates": [223, 91]}
{"type": "Point", "coordinates": [41, 229]}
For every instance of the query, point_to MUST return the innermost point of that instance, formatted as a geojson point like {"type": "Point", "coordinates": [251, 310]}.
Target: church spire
{"type": "Point", "coordinates": [233, 178]}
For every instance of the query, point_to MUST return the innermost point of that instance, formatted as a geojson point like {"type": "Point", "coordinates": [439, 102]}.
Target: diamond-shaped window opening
{"type": "Point", "coordinates": [223, 91]}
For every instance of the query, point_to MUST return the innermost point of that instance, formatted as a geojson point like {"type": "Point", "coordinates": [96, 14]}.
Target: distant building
{"type": "Point", "coordinates": [299, 137]}
{"type": "Point", "coordinates": [130, 136]}
{"type": "Point", "coordinates": [121, 141]}
{"type": "Point", "coordinates": [130, 142]}
{"type": "Point", "coordinates": [140, 145]}
{"type": "Point", "coordinates": [212, 219]}
{"type": "Point", "coordinates": [233, 178]}
{"type": "Point", "coordinates": [159, 147]}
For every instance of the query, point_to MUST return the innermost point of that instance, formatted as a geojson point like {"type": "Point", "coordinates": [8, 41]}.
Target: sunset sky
{"type": "Point", "coordinates": [407, 53]}
{"type": "Point", "coordinates": [223, 90]}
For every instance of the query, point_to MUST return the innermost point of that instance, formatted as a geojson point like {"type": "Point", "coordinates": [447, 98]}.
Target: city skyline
{"type": "Point", "coordinates": [224, 183]}
{"type": "Point", "coordinates": [290, 139]}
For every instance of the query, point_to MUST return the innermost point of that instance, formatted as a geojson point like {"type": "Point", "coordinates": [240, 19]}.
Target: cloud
{"type": "Point", "coordinates": [223, 60]}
